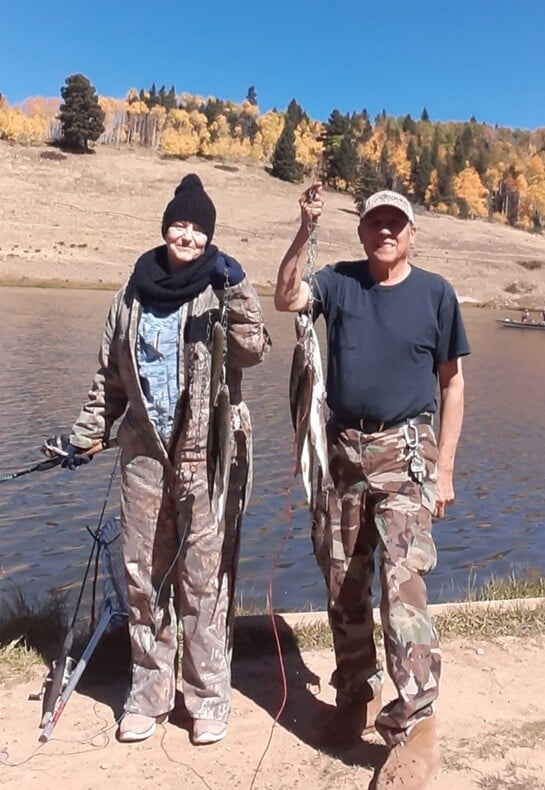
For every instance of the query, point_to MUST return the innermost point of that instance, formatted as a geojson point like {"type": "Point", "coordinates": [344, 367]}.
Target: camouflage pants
{"type": "Point", "coordinates": [180, 565]}
{"type": "Point", "coordinates": [378, 508]}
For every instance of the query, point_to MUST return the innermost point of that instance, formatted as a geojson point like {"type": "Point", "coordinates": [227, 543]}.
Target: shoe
{"type": "Point", "coordinates": [349, 722]}
{"type": "Point", "coordinates": [135, 727]}
{"type": "Point", "coordinates": [207, 731]}
{"type": "Point", "coordinates": [414, 763]}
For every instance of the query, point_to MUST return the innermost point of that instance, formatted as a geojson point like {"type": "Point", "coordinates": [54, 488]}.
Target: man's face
{"type": "Point", "coordinates": [185, 242]}
{"type": "Point", "coordinates": [387, 235]}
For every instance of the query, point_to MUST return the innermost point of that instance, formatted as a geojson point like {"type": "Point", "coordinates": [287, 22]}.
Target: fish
{"type": "Point", "coordinates": [218, 447]}
{"type": "Point", "coordinates": [308, 408]}
{"type": "Point", "coordinates": [217, 372]}
{"type": "Point", "coordinates": [218, 455]}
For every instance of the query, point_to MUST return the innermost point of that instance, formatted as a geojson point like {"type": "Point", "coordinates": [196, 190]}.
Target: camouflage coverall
{"type": "Point", "coordinates": [180, 561]}
{"type": "Point", "coordinates": [377, 505]}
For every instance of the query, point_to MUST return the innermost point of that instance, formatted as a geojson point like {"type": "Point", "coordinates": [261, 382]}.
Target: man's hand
{"type": "Point", "coordinates": [444, 491]}
{"type": "Point", "coordinates": [311, 203]}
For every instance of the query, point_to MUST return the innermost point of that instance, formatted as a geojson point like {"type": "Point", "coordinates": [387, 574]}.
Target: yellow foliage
{"type": "Point", "coordinates": [173, 142]}
{"type": "Point", "coordinates": [109, 105]}
{"type": "Point", "coordinates": [431, 192]}
{"type": "Point", "coordinates": [137, 108]}
{"type": "Point", "coordinates": [308, 149]}
{"type": "Point", "coordinates": [18, 128]}
{"type": "Point", "coordinates": [468, 186]}
{"type": "Point", "coordinates": [373, 147]}
{"type": "Point", "coordinates": [249, 108]}
{"type": "Point", "coordinates": [198, 120]}
{"type": "Point", "coordinates": [270, 128]}
{"type": "Point", "coordinates": [402, 167]}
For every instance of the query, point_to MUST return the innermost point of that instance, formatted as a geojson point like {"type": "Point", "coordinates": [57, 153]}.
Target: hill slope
{"type": "Point", "coordinates": [83, 220]}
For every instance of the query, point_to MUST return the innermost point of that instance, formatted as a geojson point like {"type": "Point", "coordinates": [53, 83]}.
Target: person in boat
{"type": "Point", "coordinates": [525, 317]}
{"type": "Point", "coordinates": [180, 554]}
{"type": "Point", "coordinates": [393, 331]}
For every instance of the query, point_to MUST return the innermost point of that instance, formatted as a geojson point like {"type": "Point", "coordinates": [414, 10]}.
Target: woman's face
{"type": "Point", "coordinates": [185, 242]}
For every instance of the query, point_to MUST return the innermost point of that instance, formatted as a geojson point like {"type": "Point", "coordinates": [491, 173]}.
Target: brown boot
{"type": "Point", "coordinates": [411, 765]}
{"type": "Point", "coordinates": [349, 722]}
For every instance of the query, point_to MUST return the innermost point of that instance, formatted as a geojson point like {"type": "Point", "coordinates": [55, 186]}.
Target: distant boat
{"type": "Point", "coordinates": [511, 322]}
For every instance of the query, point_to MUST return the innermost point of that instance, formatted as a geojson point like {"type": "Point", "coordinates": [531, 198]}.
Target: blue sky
{"type": "Point", "coordinates": [484, 58]}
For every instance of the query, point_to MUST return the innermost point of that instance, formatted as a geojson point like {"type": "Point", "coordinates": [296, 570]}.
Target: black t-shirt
{"type": "Point", "coordinates": [384, 342]}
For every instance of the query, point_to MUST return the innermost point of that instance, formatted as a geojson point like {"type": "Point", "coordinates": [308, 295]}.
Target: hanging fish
{"type": "Point", "coordinates": [308, 408]}
{"type": "Point", "coordinates": [218, 448]}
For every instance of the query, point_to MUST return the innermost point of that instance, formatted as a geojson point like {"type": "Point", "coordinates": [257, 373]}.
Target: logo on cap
{"type": "Point", "coordinates": [388, 198]}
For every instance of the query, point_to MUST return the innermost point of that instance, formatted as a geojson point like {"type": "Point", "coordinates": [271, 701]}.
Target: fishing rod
{"type": "Point", "coordinates": [61, 679]}
{"type": "Point", "coordinates": [54, 449]}
{"type": "Point", "coordinates": [49, 463]}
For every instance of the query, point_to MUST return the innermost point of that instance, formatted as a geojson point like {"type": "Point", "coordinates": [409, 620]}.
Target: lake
{"type": "Point", "coordinates": [50, 339]}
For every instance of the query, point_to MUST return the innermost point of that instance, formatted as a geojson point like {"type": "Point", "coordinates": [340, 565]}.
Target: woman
{"type": "Point", "coordinates": [180, 548]}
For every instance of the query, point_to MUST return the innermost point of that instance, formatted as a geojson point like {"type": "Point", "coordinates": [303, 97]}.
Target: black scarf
{"type": "Point", "coordinates": [164, 291]}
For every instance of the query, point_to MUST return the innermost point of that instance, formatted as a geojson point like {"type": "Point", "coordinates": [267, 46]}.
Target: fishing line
{"type": "Point", "coordinates": [278, 645]}
{"type": "Point", "coordinates": [310, 278]}
{"type": "Point", "coordinates": [179, 762]}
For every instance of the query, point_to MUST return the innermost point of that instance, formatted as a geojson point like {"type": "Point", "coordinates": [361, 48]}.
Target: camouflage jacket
{"type": "Point", "coordinates": [116, 388]}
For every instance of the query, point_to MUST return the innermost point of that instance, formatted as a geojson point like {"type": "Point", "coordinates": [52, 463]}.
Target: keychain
{"type": "Point", "coordinates": [417, 465]}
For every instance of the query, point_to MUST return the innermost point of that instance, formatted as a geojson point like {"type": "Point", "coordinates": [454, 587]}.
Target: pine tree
{"type": "Point", "coordinates": [435, 147]}
{"type": "Point", "coordinates": [343, 163]}
{"type": "Point", "coordinates": [420, 176]}
{"type": "Point", "coordinates": [251, 96]}
{"type": "Point", "coordinates": [284, 164]}
{"type": "Point", "coordinates": [152, 99]}
{"type": "Point", "coordinates": [80, 115]}
{"type": "Point", "coordinates": [295, 114]}
{"type": "Point", "coordinates": [340, 155]}
{"type": "Point", "coordinates": [384, 168]}
{"type": "Point", "coordinates": [425, 116]}
{"type": "Point", "coordinates": [408, 125]}
{"type": "Point", "coordinates": [171, 100]}
{"type": "Point", "coordinates": [368, 181]}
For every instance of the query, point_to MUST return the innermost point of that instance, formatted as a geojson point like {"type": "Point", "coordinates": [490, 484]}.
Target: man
{"type": "Point", "coordinates": [393, 330]}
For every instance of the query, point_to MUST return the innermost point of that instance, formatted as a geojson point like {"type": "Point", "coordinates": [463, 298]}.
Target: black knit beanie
{"type": "Point", "coordinates": [190, 204]}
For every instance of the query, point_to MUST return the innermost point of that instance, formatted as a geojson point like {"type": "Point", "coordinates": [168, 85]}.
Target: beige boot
{"type": "Point", "coordinates": [349, 722]}
{"type": "Point", "coordinates": [411, 765]}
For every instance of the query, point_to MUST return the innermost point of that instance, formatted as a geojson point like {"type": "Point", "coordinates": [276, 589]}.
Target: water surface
{"type": "Point", "coordinates": [49, 346]}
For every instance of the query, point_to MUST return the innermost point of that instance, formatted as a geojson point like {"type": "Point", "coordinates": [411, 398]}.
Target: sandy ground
{"type": "Point", "coordinates": [83, 220]}
{"type": "Point", "coordinates": [491, 724]}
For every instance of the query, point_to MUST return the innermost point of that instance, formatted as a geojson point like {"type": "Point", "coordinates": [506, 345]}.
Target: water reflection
{"type": "Point", "coordinates": [50, 340]}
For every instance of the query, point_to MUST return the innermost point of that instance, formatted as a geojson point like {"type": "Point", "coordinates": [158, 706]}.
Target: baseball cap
{"type": "Point", "coordinates": [388, 198]}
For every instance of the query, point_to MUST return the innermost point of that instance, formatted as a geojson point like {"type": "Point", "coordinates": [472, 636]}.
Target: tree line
{"type": "Point", "coordinates": [466, 169]}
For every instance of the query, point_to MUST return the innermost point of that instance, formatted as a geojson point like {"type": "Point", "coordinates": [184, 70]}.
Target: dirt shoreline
{"type": "Point", "coordinates": [491, 720]}
{"type": "Point", "coordinates": [81, 222]}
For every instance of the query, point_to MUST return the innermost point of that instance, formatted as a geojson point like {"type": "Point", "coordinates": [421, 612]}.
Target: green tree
{"type": "Point", "coordinates": [295, 114]}
{"type": "Point", "coordinates": [171, 100]}
{"type": "Point", "coordinates": [384, 168]}
{"type": "Point", "coordinates": [368, 181]}
{"type": "Point", "coordinates": [339, 137]}
{"type": "Point", "coordinates": [284, 164]}
{"type": "Point", "coordinates": [408, 125]}
{"type": "Point", "coordinates": [420, 175]}
{"type": "Point", "coordinates": [251, 96]}
{"type": "Point", "coordinates": [80, 115]}
{"type": "Point", "coordinates": [425, 116]}
{"type": "Point", "coordinates": [213, 109]}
